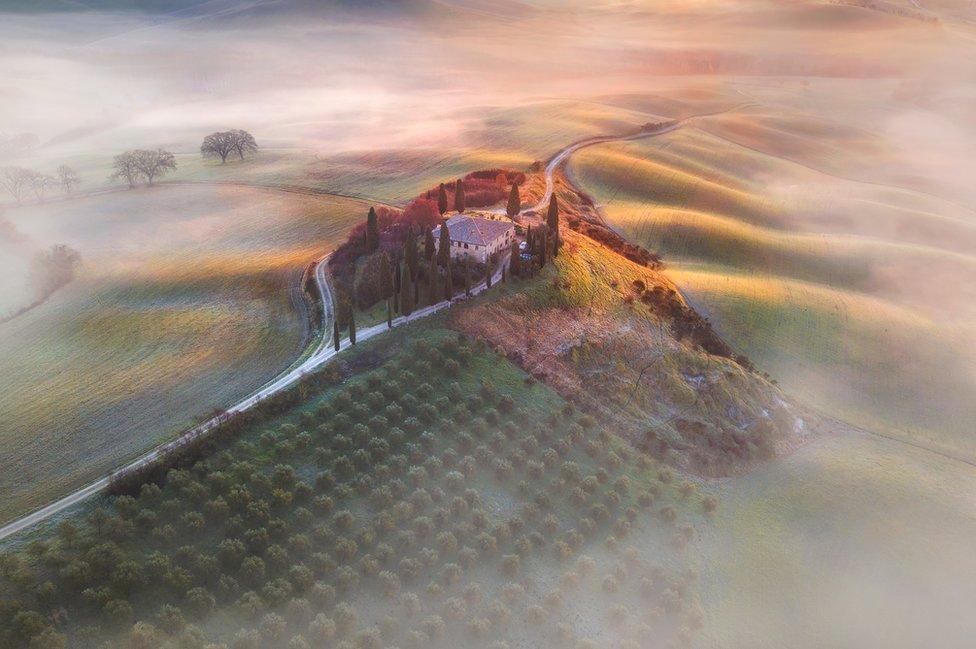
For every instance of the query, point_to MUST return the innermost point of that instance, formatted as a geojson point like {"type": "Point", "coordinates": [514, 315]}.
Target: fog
{"type": "Point", "coordinates": [345, 77]}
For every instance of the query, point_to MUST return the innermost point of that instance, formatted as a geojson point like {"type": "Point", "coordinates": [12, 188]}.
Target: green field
{"type": "Point", "coordinates": [186, 301]}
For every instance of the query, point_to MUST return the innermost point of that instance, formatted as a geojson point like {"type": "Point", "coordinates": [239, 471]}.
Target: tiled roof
{"type": "Point", "coordinates": [475, 230]}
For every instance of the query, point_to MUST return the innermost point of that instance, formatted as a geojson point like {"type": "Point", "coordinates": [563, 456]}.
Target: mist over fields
{"type": "Point", "coordinates": [817, 204]}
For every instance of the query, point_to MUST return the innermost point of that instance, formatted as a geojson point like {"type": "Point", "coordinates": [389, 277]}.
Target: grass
{"type": "Point", "coordinates": [830, 286]}
{"type": "Point", "coordinates": [581, 325]}
{"type": "Point", "coordinates": [185, 303]}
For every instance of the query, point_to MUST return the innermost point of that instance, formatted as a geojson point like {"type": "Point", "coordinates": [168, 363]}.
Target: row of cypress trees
{"type": "Point", "coordinates": [442, 202]}
{"type": "Point", "coordinates": [405, 295]}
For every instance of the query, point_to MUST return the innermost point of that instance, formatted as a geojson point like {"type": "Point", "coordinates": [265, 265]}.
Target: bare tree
{"type": "Point", "coordinates": [126, 167]}
{"type": "Point", "coordinates": [243, 142]}
{"type": "Point", "coordinates": [16, 180]}
{"type": "Point", "coordinates": [152, 164]}
{"type": "Point", "coordinates": [40, 183]}
{"type": "Point", "coordinates": [219, 144]}
{"type": "Point", "coordinates": [68, 178]}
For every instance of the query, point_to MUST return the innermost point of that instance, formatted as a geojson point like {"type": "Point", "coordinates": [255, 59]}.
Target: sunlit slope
{"type": "Point", "coordinates": [839, 289]}
{"type": "Point", "coordinates": [186, 301]}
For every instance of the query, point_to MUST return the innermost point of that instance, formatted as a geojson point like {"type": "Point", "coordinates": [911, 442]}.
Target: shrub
{"type": "Point", "coordinates": [298, 642]}
{"type": "Point", "coordinates": [478, 627]}
{"type": "Point", "coordinates": [498, 612]}
{"type": "Point", "coordinates": [276, 591]}
{"type": "Point", "coordinates": [272, 626]}
{"type": "Point", "coordinates": [434, 626]}
{"type": "Point", "coordinates": [416, 639]}
{"type": "Point", "coordinates": [511, 565]}
{"type": "Point", "coordinates": [247, 639]}
{"type": "Point", "coordinates": [389, 583]}
{"type": "Point", "coordinates": [451, 573]}
{"type": "Point", "coordinates": [368, 639]}
{"type": "Point", "coordinates": [200, 602]}
{"type": "Point", "coordinates": [410, 604]}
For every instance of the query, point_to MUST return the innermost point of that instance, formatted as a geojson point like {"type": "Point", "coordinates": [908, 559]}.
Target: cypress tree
{"type": "Point", "coordinates": [397, 281]}
{"type": "Point", "coordinates": [389, 313]}
{"type": "Point", "coordinates": [467, 277]}
{"type": "Point", "coordinates": [459, 196]}
{"type": "Point", "coordinates": [372, 231]}
{"type": "Point", "coordinates": [514, 202]}
{"type": "Point", "coordinates": [442, 199]}
{"type": "Point", "coordinates": [352, 328]}
{"type": "Point", "coordinates": [410, 253]}
{"type": "Point", "coordinates": [432, 284]}
{"type": "Point", "coordinates": [430, 248]}
{"type": "Point", "coordinates": [416, 293]}
{"type": "Point", "coordinates": [516, 259]}
{"type": "Point", "coordinates": [407, 297]}
{"type": "Point", "coordinates": [335, 334]}
{"type": "Point", "coordinates": [552, 220]}
{"type": "Point", "coordinates": [449, 283]}
{"type": "Point", "coordinates": [488, 268]}
{"type": "Point", "coordinates": [444, 247]}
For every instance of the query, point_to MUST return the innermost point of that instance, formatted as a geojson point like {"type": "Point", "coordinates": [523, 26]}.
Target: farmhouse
{"type": "Point", "coordinates": [476, 237]}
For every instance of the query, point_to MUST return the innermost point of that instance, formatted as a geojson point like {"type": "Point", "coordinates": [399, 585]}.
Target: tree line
{"type": "Point", "coordinates": [415, 274]}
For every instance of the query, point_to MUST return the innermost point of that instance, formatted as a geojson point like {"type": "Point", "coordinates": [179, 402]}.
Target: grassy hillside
{"type": "Point", "coordinates": [833, 287]}
{"type": "Point", "coordinates": [603, 330]}
{"type": "Point", "coordinates": [185, 301]}
{"type": "Point", "coordinates": [441, 499]}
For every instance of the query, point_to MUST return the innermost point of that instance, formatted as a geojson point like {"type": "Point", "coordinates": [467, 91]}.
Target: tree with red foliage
{"type": "Point", "coordinates": [459, 196]}
{"type": "Point", "coordinates": [419, 214]}
{"type": "Point", "coordinates": [514, 202]}
{"type": "Point", "coordinates": [441, 199]}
